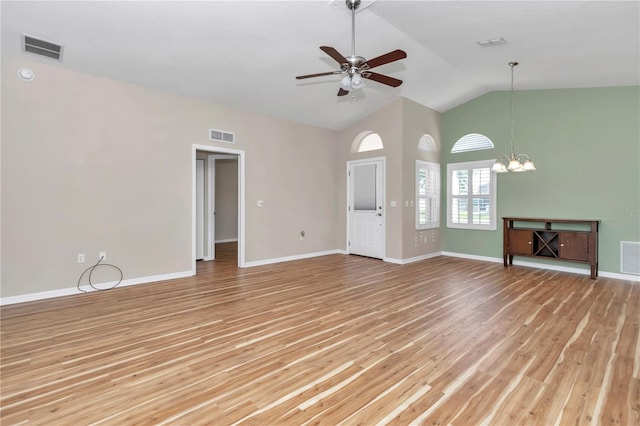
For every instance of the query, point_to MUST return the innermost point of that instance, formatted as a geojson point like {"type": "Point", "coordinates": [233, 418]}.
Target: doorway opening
{"type": "Point", "coordinates": [204, 205]}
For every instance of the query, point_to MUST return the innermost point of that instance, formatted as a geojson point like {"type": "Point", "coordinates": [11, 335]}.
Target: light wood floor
{"type": "Point", "coordinates": [331, 340]}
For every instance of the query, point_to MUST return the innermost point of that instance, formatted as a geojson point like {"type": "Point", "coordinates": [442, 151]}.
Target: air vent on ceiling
{"type": "Point", "coordinates": [221, 136]}
{"type": "Point", "coordinates": [630, 257]}
{"type": "Point", "coordinates": [41, 47]}
{"type": "Point", "coordinates": [492, 42]}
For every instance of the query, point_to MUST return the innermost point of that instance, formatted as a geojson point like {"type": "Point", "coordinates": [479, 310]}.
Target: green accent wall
{"type": "Point", "coordinates": [586, 147]}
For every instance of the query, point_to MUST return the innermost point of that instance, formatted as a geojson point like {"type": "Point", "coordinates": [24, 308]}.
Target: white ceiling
{"type": "Point", "coordinates": [247, 54]}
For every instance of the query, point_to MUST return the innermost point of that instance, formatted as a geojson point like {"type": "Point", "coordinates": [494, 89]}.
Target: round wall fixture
{"type": "Point", "coordinates": [26, 74]}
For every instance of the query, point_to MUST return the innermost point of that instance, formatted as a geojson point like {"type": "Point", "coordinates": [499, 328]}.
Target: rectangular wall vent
{"type": "Point", "coordinates": [41, 47]}
{"type": "Point", "coordinates": [630, 257]}
{"type": "Point", "coordinates": [221, 136]}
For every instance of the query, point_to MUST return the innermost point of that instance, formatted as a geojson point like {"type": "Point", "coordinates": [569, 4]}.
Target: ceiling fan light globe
{"type": "Point", "coordinates": [345, 83]}
{"type": "Point", "coordinates": [356, 82]}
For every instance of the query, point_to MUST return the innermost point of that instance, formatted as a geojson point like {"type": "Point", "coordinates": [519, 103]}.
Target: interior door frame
{"type": "Point", "coordinates": [211, 202]}
{"type": "Point", "coordinates": [201, 209]}
{"type": "Point", "coordinates": [240, 154]}
{"type": "Point", "coordinates": [384, 197]}
{"type": "Point", "coordinates": [211, 208]}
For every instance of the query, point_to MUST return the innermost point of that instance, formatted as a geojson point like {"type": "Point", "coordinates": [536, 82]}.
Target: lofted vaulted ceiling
{"type": "Point", "coordinates": [247, 53]}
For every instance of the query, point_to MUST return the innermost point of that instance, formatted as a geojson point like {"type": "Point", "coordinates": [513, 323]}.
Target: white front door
{"type": "Point", "coordinates": [366, 208]}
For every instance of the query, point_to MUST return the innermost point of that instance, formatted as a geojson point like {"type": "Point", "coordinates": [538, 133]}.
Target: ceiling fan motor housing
{"type": "Point", "coordinates": [352, 4]}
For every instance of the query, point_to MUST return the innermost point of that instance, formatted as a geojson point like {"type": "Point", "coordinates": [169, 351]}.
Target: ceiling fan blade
{"type": "Point", "coordinates": [380, 78]}
{"type": "Point", "coordinates": [342, 92]}
{"type": "Point", "coordinates": [337, 56]}
{"type": "Point", "coordinates": [300, 77]}
{"type": "Point", "coordinates": [385, 59]}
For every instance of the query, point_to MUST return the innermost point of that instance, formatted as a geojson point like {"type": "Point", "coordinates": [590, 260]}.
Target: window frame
{"type": "Point", "coordinates": [492, 196]}
{"type": "Point", "coordinates": [434, 197]}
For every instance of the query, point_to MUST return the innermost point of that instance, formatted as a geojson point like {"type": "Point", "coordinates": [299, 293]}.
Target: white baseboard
{"type": "Point", "coordinates": [228, 240]}
{"type": "Point", "coordinates": [548, 266]}
{"type": "Point", "coordinates": [155, 278]}
{"type": "Point", "coordinates": [290, 258]}
{"type": "Point", "coordinates": [74, 290]}
{"type": "Point", "coordinates": [412, 259]}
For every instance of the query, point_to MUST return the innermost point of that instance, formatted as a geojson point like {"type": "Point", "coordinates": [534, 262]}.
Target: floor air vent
{"type": "Point", "coordinates": [630, 257]}
{"type": "Point", "coordinates": [221, 136]}
{"type": "Point", "coordinates": [41, 47]}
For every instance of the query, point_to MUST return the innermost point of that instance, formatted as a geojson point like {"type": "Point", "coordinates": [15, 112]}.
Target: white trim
{"type": "Point", "coordinates": [74, 290]}
{"type": "Point", "coordinates": [546, 266]}
{"type": "Point", "coordinates": [290, 258]}
{"type": "Point", "coordinates": [472, 257]}
{"type": "Point", "coordinates": [156, 278]}
{"type": "Point", "coordinates": [413, 259]}
{"type": "Point", "coordinates": [241, 199]}
{"type": "Point", "coordinates": [227, 240]}
{"type": "Point", "coordinates": [211, 205]}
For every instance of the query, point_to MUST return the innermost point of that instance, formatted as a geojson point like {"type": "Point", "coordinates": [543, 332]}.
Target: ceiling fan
{"type": "Point", "coordinates": [355, 68]}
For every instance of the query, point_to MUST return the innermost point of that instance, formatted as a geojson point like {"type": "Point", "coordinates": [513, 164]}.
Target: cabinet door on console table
{"type": "Point", "coordinates": [521, 242]}
{"type": "Point", "coordinates": [574, 246]}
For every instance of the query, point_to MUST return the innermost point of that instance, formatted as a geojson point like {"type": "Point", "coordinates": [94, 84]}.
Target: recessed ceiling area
{"type": "Point", "coordinates": [247, 53]}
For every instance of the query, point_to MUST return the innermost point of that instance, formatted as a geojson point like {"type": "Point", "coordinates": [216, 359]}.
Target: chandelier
{"type": "Point", "coordinates": [513, 162]}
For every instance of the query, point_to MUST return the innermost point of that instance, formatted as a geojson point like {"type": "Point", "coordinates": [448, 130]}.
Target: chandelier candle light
{"type": "Point", "coordinates": [513, 162]}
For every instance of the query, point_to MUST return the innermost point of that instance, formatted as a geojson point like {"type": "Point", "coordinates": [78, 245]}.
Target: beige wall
{"type": "Point", "coordinates": [400, 125]}
{"type": "Point", "coordinates": [417, 121]}
{"type": "Point", "coordinates": [91, 164]}
{"type": "Point", "coordinates": [387, 122]}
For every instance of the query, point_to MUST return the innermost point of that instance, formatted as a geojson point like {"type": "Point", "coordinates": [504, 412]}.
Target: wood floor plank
{"type": "Point", "coordinates": [331, 340]}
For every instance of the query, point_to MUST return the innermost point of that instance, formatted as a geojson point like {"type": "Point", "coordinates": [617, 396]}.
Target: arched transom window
{"type": "Point", "coordinates": [472, 142]}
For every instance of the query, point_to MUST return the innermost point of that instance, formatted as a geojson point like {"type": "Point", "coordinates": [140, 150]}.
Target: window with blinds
{"type": "Point", "coordinates": [471, 195]}
{"type": "Point", "coordinates": [472, 142]}
{"type": "Point", "coordinates": [427, 195]}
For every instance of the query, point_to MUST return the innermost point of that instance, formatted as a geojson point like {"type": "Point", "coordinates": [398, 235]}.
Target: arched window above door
{"type": "Point", "coordinates": [367, 141]}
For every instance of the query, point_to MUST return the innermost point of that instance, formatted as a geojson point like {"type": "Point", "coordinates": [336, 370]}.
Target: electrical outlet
{"type": "Point", "coordinates": [302, 234]}
{"type": "Point", "coordinates": [80, 257]}
{"type": "Point", "coordinates": [102, 255]}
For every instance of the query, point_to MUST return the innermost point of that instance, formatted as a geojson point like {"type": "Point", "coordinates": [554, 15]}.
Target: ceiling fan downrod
{"type": "Point", "coordinates": [353, 5]}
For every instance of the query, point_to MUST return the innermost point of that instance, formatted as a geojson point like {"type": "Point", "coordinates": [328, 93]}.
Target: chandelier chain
{"type": "Point", "coordinates": [512, 64]}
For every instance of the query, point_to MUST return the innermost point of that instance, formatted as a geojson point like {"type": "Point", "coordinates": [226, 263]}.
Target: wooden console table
{"type": "Point", "coordinates": [523, 238]}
